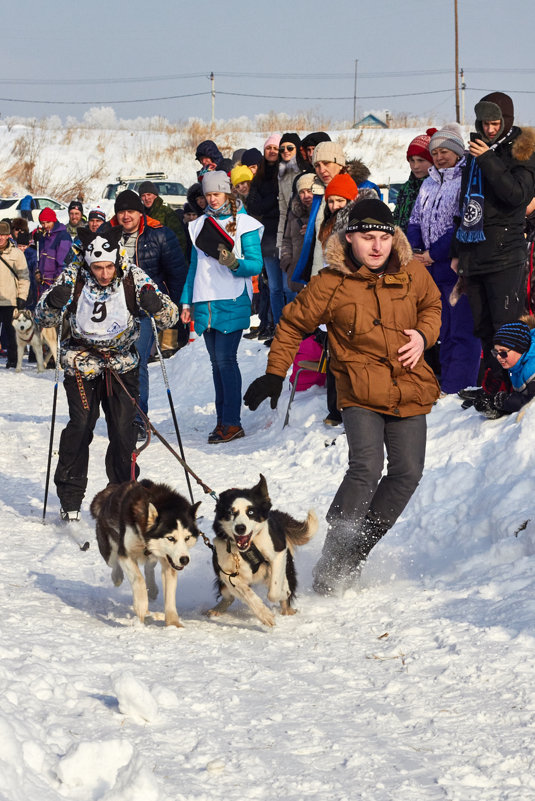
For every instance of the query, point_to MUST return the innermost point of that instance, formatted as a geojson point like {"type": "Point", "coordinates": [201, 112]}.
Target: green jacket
{"type": "Point", "coordinates": [167, 216]}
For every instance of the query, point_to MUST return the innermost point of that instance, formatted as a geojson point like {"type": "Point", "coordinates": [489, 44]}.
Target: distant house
{"type": "Point", "coordinates": [371, 121]}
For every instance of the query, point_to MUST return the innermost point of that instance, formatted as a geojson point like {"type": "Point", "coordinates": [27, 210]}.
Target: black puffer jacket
{"type": "Point", "coordinates": [508, 186]}
{"type": "Point", "coordinates": [263, 204]}
{"type": "Point", "coordinates": [159, 254]}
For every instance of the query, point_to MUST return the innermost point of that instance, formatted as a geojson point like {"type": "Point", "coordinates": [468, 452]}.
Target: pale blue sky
{"type": "Point", "coordinates": [49, 48]}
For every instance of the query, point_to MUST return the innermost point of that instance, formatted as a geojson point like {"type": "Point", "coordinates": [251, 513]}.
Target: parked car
{"type": "Point", "coordinates": [10, 208]}
{"type": "Point", "coordinates": [171, 192]}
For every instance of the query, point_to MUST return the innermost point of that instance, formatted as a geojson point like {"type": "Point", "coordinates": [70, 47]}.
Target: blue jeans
{"type": "Point", "coordinates": [279, 293]}
{"type": "Point", "coordinates": [223, 350]}
{"type": "Point", "coordinates": [144, 347]}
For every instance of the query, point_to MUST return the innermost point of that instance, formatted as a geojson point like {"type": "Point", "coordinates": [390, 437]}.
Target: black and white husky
{"type": "Point", "coordinates": [27, 333]}
{"type": "Point", "coordinates": [145, 523]}
{"type": "Point", "coordinates": [254, 544]}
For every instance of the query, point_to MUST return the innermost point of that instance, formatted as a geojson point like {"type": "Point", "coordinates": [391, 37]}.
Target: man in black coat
{"type": "Point", "coordinates": [155, 249]}
{"type": "Point", "coordinates": [498, 184]}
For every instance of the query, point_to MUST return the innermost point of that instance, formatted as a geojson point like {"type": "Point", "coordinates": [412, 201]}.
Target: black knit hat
{"type": "Point", "coordinates": [75, 204]}
{"type": "Point", "coordinates": [251, 156]}
{"type": "Point", "coordinates": [370, 214]}
{"type": "Point", "coordinates": [516, 336]}
{"type": "Point", "coordinates": [314, 138]}
{"type": "Point", "coordinates": [147, 186]}
{"type": "Point", "coordinates": [128, 201]}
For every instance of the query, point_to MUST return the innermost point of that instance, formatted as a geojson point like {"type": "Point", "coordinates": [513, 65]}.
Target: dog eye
{"type": "Point", "coordinates": [171, 539]}
{"type": "Point", "coordinates": [250, 512]}
{"type": "Point", "coordinates": [187, 538]}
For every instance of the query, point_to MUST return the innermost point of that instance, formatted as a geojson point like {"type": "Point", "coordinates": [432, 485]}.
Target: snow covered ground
{"type": "Point", "coordinates": [416, 685]}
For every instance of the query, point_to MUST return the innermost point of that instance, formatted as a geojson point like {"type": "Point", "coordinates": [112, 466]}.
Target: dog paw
{"type": "Point", "coordinates": [173, 620]}
{"type": "Point", "coordinates": [212, 613]}
{"type": "Point", "coordinates": [286, 609]}
{"type": "Point", "coordinates": [266, 617]}
{"type": "Point", "coordinates": [18, 369]}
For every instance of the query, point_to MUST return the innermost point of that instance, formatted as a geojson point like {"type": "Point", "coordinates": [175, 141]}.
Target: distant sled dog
{"type": "Point", "coordinates": [27, 333]}
{"type": "Point", "coordinates": [254, 544]}
{"type": "Point", "coordinates": [145, 523]}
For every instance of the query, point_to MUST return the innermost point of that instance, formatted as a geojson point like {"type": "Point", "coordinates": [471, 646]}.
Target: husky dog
{"type": "Point", "coordinates": [27, 333]}
{"type": "Point", "coordinates": [145, 523]}
{"type": "Point", "coordinates": [254, 544]}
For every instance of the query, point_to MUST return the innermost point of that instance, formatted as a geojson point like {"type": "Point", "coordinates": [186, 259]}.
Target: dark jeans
{"type": "Point", "coordinates": [6, 317]}
{"type": "Point", "coordinates": [71, 471]}
{"type": "Point", "coordinates": [223, 350]}
{"type": "Point", "coordinates": [495, 299]}
{"type": "Point", "coordinates": [144, 345]}
{"type": "Point", "coordinates": [364, 490]}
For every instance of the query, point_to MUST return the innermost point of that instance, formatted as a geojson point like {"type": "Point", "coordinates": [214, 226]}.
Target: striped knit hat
{"type": "Point", "coordinates": [516, 336]}
{"type": "Point", "coordinates": [420, 146]}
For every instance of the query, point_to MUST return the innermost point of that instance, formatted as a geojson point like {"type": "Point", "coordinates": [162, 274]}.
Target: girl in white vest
{"type": "Point", "coordinates": [218, 291]}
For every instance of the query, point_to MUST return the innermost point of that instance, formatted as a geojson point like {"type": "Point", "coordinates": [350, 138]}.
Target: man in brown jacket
{"type": "Point", "coordinates": [382, 310]}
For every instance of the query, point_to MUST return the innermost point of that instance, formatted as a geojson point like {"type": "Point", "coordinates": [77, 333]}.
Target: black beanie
{"type": "Point", "coordinates": [251, 156]}
{"type": "Point", "coordinates": [75, 204]}
{"type": "Point", "coordinates": [516, 336]}
{"type": "Point", "coordinates": [128, 201]}
{"type": "Point", "coordinates": [314, 138]}
{"type": "Point", "coordinates": [370, 214]}
{"type": "Point", "coordinates": [147, 186]}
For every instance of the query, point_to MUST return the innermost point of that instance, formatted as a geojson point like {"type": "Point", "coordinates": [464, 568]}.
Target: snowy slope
{"type": "Point", "coordinates": [416, 685]}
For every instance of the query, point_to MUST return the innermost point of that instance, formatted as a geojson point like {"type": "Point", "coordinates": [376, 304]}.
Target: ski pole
{"type": "Point", "coordinates": [171, 405]}
{"type": "Point", "coordinates": [53, 421]}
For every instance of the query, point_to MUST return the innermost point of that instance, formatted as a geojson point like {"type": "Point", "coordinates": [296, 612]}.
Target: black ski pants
{"type": "Point", "coordinates": [119, 411]}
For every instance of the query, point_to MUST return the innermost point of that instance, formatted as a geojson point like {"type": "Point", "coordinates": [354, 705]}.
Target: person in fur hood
{"type": "Point", "coordinates": [498, 183]}
{"type": "Point", "coordinates": [381, 309]}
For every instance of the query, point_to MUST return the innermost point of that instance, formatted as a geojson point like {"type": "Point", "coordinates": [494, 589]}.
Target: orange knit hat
{"type": "Point", "coordinates": [342, 185]}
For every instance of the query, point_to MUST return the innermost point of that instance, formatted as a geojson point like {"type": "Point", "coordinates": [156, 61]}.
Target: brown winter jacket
{"type": "Point", "coordinates": [365, 317]}
{"type": "Point", "coordinates": [14, 276]}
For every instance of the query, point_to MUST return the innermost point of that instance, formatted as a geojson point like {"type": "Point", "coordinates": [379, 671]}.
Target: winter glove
{"type": "Point", "coordinates": [227, 258]}
{"type": "Point", "coordinates": [498, 400]}
{"type": "Point", "coordinates": [149, 300]}
{"type": "Point", "coordinates": [59, 296]}
{"type": "Point", "coordinates": [486, 407]}
{"type": "Point", "coordinates": [266, 386]}
{"type": "Point", "coordinates": [21, 303]}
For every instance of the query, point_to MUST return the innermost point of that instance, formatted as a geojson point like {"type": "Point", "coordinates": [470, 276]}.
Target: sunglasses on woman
{"type": "Point", "coordinates": [500, 354]}
{"type": "Point", "coordinates": [289, 148]}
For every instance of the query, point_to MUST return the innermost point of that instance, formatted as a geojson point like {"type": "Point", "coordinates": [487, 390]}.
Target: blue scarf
{"type": "Point", "coordinates": [471, 227]}
{"type": "Point", "coordinates": [308, 242]}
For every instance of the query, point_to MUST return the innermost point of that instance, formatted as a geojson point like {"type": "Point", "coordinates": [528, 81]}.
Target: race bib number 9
{"type": "Point", "coordinates": [102, 320]}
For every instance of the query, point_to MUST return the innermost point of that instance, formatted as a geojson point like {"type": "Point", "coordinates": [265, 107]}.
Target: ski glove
{"type": "Point", "coordinates": [266, 386]}
{"type": "Point", "coordinates": [149, 300]}
{"type": "Point", "coordinates": [59, 296]}
{"type": "Point", "coordinates": [227, 258]}
{"type": "Point", "coordinates": [485, 406]}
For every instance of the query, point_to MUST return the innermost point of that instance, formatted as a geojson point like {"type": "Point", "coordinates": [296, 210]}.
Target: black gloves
{"type": "Point", "coordinates": [21, 303]}
{"type": "Point", "coordinates": [59, 296]}
{"type": "Point", "coordinates": [149, 300]}
{"type": "Point", "coordinates": [489, 406]}
{"type": "Point", "coordinates": [267, 386]}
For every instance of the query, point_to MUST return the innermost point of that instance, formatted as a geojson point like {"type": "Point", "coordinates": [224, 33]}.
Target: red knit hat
{"type": "Point", "coordinates": [420, 146]}
{"type": "Point", "coordinates": [342, 185]}
{"type": "Point", "coordinates": [48, 215]}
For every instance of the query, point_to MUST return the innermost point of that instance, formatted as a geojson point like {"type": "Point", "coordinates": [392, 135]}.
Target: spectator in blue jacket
{"type": "Point", "coordinates": [218, 293]}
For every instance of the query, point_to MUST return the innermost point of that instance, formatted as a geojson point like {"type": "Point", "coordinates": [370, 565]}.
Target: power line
{"type": "Point", "coordinates": [99, 102]}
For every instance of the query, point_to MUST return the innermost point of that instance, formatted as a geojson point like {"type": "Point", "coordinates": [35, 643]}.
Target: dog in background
{"type": "Point", "coordinates": [254, 544]}
{"type": "Point", "coordinates": [145, 523]}
{"type": "Point", "coordinates": [27, 333]}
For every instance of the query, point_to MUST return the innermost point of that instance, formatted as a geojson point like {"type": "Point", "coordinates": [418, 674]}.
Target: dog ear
{"type": "Point", "coordinates": [194, 508]}
{"type": "Point", "coordinates": [152, 515]}
{"type": "Point", "coordinates": [15, 314]}
{"type": "Point", "coordinates": [262, 488]}
{"type": "Point", "coordinates": [85, 236]}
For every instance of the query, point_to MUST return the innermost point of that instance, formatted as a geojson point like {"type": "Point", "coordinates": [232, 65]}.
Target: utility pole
{"type": "Point", "coordinates": [355, 95]}
{"type": "Point", "coordinates": [463, 87]}
{"type": "Point", "coordinates": [212, 81]}
{"type": "Point", "coordinates": [457, 111]}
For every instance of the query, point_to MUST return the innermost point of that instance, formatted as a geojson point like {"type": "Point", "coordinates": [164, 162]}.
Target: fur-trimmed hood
{"type": "Point", "coordinates": [524, 145]}
{"type": "Point", "coordinates": [337, 251]}
{"type": "Point", "coordinates": [357, 170]}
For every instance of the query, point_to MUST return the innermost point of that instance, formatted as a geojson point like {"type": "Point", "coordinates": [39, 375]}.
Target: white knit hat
{"type": "Point", "coordinates": [449, 137]}
{"type": "Point", "coordinates": [329, 151]}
